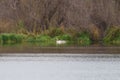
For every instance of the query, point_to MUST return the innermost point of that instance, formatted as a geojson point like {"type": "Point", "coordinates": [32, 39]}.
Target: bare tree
{"type": "Point", "coordinates": [69, 13]}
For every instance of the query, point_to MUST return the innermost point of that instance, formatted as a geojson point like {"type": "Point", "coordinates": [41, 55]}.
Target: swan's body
{"type": "Point", "coordinates": [60, 41]}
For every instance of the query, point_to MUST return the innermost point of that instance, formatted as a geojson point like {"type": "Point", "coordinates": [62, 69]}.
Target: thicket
{"type": "Point", "coordinates": [94, 16]}
{"type": "Point", "coordinates": [112, 36]}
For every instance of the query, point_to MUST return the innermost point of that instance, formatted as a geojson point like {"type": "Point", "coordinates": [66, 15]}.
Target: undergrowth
{"type": "Point", "coordinates": [47, 37]}
{"type": "Point", "coordinates": [112, 36]}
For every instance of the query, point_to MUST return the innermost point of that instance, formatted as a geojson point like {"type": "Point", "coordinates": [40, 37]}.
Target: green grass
{"type": "Point", "coordinates": [47, 38]}
{"type": "Point", "coordinates": [66, 37]}
{"type": "Point", "coordinates": [30, 39]}
{"type": "Point", "coordinates": [83, 38]}
{"type": "Point", "coordinates": [43, 38]}
{"type": "Point", "coordinates": [112, 36]}
{"type": "Point", "coordinates": [11, 38]}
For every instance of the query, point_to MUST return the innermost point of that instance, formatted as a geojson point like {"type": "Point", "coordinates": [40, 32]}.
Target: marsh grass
{"type": "Point", "coordinates": [11, 38]}
{"type": "Point", "coordinates": [112, 36]}
{"type": "Point", "coordinates": [43, 38]}
{"type": "Point", "coordinates": [30, 39]}
{"type": "Point", "coordinates": [83, 38]}
{"type": "Point", "coordinates": [54, 31]}
{"type": "Point", "coordinates": [47, 38]}
{"type": "Point", "coordinates": [66, 37]}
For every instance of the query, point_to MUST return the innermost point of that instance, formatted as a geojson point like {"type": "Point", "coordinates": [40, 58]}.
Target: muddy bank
{"type": "Point", "coordinates": [60, 50]}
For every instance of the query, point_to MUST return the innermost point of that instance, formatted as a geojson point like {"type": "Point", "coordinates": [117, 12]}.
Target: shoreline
{"type": "Point", "coordinates": [60, 50]}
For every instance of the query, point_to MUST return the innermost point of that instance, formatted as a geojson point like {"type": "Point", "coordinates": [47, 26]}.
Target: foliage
{"type": "Point", "coordinates": [21, 24]}
{"type": "Point", "coordinates": [82, 38]}
{"type": "Point", "coordinates": [52, 32]}
{"type": "Point", "coordinates": [11, 38]}
{"type": "Point", "coordinates": [30, 39]}
{"type": "Point", "coordinates": [21, 28]}
{"type": "Point", "coordinates": [79, 38]}
{"type": "Point", "coordinates": [66, 37]}
{"type": "Point", "coordinates": [0, 39]}
{"type": "Point", "coordinates": [112, 36]}
{"type": "Point", "coordinates": [38, 38]}
{"type": "Point", "coordinates": [43, 38]}
{"type": "Point", "coordinates": [84, 41]}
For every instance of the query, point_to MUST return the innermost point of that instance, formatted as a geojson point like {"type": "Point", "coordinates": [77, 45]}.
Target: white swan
{"type": "Point", "coordinates": [60, 41]}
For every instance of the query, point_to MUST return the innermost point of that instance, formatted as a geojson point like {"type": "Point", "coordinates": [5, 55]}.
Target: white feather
{"type": "Point", "coordinates": [60, 41]}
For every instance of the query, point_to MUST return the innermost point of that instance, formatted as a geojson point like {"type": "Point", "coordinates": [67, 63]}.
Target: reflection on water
{"type": "Point", "coordinates": [53, 48]}
{"type": "Point", "coordinates": [40, 44]}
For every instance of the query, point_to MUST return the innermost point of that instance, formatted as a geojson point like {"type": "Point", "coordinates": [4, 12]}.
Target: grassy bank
{"type": "Point", "coordinates": [112, 36]}
{"type": "Point", "coordinates": [48, 37]}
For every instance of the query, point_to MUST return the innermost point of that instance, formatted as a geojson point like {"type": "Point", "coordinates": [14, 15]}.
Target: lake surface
{"type": "Point", "coordinates": [59, 66]}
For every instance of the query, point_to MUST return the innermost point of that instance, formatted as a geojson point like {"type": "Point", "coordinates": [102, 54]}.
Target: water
{"type": "Point", "coordinates": [60, 67]}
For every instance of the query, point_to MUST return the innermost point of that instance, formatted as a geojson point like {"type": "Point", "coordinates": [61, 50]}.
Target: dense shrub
{"type": "Point", "coordinates": [84, 41]}
{"type": "Point", "coordinates": [79, 38]}
{"type": "Point", "coordinates": [83, 38]}
{"type": "Point", "coordinates": [112, 36]}
{"type": "Point", "coordinates": [30, 39]}
{"type": "Point", "coordinates": [66, 37]}
{"type": "Point", "coordinates": [11, 38]}
{"type": "Point", "coordinates": [52, 32]}
{"type": "Point", "coordinates": [43, 38]}
{"type": "Point", "coordinates": [1, 39]}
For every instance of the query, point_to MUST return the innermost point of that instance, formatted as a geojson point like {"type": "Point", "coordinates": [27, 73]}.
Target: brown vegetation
{"type": "Point", "coordinates": [7, 26]}
{"type": "Point", "coordinates": [77, 14]}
